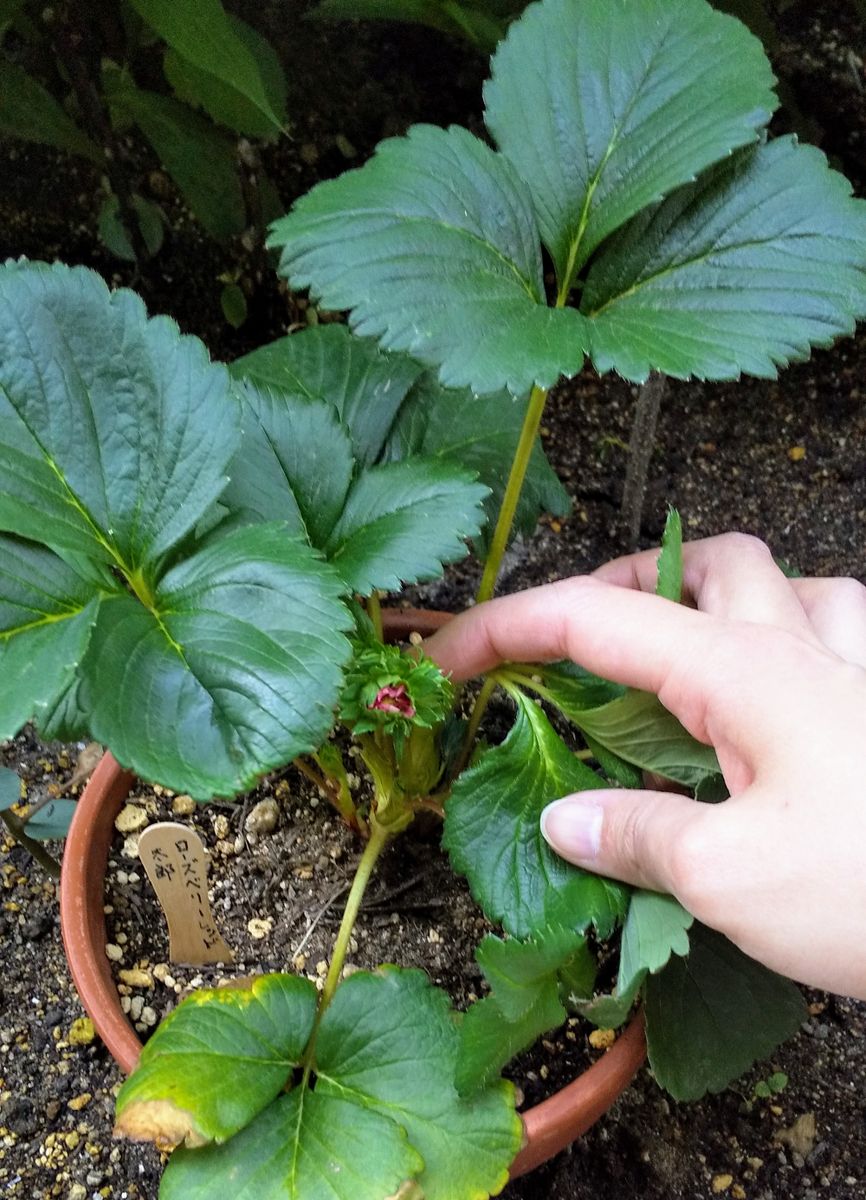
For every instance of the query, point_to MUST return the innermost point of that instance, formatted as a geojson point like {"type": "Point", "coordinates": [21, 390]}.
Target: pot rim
{"type": "Point", "coordinates": [549, 1126]}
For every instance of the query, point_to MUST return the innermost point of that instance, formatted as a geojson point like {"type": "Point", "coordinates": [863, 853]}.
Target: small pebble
{"type": "Point", "coordinates": [81, 1032]}
{"type": "Point", "coordinates": [148, 1016]}
{"type": "Point", "coordinates": [137, 978]}
{"type": "Point", "coordinates": [260, 927]}
{"type": "Point", "coordinates": [183, 806]}
{"type": "Point", "coordinates": [221, 826]}
{"type": "Point", "coordinates": [79, 1102]}
{"type": "Point", "coordinates": [721, 1183]}
{"type": "Point", "coordinates": [135, 1007]}
{"type": "Point", "coordinates": [602, 1039]}
{"type": "Point", "coordinates": [113, 952]}
{"type": "Point", "coordinates": [130, 819]}
{"type": "Point", "coordinates": [263, 817]}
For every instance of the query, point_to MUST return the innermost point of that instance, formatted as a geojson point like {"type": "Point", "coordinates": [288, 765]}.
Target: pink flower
{"type": "Point", "coordinates": [393, 698]}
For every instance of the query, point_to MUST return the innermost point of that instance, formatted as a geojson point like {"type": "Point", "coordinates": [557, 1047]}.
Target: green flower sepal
{"type": "Point", "coordinates": [389, 690]}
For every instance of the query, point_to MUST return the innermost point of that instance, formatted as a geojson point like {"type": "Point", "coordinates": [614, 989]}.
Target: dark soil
{"type": "Point", "coordinates": [724, 458]}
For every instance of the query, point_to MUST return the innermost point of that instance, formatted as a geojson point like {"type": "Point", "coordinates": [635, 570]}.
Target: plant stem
{"type": "Point", "coordinates": [378, 840]}
{"type": "Point", "coordinates": [336, 795]}
{"type": "Point", "coordinates": [374, 612]}
{"type": "Point", "coordinates": [41, 855]}
{"type": "Point", "coordinates": [478, 710]}
{"type": "Point", "coordinates": [640, 447]}
{"type": "Point", "coordinates": [519, 466]}
{"type": "Point", "coordinates": [312, 774]}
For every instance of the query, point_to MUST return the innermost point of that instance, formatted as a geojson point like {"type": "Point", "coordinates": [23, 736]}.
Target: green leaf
{"type": "Point", "coordinates": [493, 836]}
{"type": "Point", "coordinates": [10, 789]}
{"type": "Point", "coordinates": [233, 302]}
{"type": "Point", "coordinates": [481, 24]}
{"type": "Point", "coordinates": [221, 98]}
{"type": "Point", "coordinates": [200, 159]}
{"type": "Point", "coordinates": [434, 248]}
{"type": "Point", "coordinates": [294, 463]}
{"type": "Point", "coordinates": [525, 1003]}
{"type": "Point", "coordinates": [114, 233]}
{"type": "Point", "coordinates": [615, 768]}
{"type": "Point", "coordinates": [711, 1015]}
{"type": "Point", "coordinates": [402, 522]}
{"type": "Point", "coordinates": [364, 384]}
{"type": "Point", "coordinates": [574, 689]}
{"type": "Point", "coordinates": [397, 522]}
{"type": "Point", "coordinates": [605, 107]}
{"type": "Point", "coordinates": [514, 969]}
{"type": "Point", "coordinates": [237, 664]}
{"type": "Point", "coordinates": [488, 1042]}
{"type": "Point", "coordinates": [303, 1145]}
{"type": "Point", "coordinates": [466, 1146]}
{"type": "Point", "coordinates": [51, 822]}
{"type": "Point", "coordinates": [480, 433]}
{"type": "Point", "coordinates": [743, 271]}
{"type": "Point", "coordinates": [384, 1110]}
{"type": "Point", "coordinates": [609, 1011]}
{"type": "Point", "coordinates": [655, 928]}
{"type": "Point", "coordinates": [205, 35]}
{"type": "Point", "coordinates": [29, 111]}
{"type": "Point", "coordinates": [47, 613]}
{"type": "Point", "coordinates": [115, 431]}
{"type": "Point", "coordinates": [637, 728]}
{"type": "Point", "coordinates": [215, 1062]}
{"type": "Point", "coordinates": [670, 562]}
{"type": "Point", "coordinates": [65, 720]}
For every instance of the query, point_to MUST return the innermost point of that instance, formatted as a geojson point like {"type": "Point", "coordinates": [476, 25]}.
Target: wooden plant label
{"type": "Point", "coordinates": [176, 863]}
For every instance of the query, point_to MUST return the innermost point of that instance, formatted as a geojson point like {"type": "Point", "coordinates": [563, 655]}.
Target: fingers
{"type": "Point", "coordinates": [642, 838]}
{"type": "Point", "coordinates": [836, 609]}
{"type": "Point", "coordinates": [732, 576]}
{"type": "Point", "coordinates": [626, 636]}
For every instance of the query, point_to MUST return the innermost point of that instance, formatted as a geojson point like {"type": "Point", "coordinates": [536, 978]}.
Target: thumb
{"type": "Point", "coordinates": [638, 837]}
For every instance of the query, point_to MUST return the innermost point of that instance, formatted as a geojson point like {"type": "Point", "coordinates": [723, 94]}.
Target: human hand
{"type": "Point", "coordinates": [769, 671]}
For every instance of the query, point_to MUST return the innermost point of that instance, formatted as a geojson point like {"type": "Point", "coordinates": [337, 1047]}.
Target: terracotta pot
{"type": "Point", "coordinates": [550, 1126]}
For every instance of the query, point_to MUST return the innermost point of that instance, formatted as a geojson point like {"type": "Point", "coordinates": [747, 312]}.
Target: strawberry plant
{"type": "Point", "coordinates": [193, 560]}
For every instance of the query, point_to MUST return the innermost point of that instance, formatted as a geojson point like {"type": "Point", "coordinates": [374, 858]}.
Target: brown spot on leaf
{"type": "Point", "coordinates": [160, 1122]}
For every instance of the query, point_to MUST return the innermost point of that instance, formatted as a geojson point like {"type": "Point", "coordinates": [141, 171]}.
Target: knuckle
{"type": "Point", "coordinates": [693, 858]}
{"type": "Point", "coordinates": [629, 839]}
{"type": "Point", "coordinates": [744, 545]}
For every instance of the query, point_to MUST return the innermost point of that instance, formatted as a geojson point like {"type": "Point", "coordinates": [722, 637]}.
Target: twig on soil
{"type": "Point", "coordinates": [329, 903]}
{"type": "Point", "coordinates": [640, 448]}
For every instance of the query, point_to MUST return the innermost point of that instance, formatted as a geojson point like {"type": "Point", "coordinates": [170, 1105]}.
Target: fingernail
{"type": "Point", "coordinates": [572, 827]}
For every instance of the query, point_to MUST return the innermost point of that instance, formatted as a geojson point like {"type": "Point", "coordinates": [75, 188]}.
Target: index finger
{"type": "Point", "coordinates": [629, 637]}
